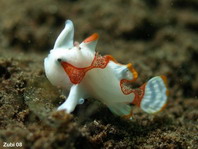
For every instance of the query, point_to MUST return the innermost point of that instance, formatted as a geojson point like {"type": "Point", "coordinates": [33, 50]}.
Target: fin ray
{"type": "Point", "coordinates": [155, 95]}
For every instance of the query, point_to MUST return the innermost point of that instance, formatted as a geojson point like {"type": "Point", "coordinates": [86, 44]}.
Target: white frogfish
{"type": "Point", "coordinates": [83, 73]}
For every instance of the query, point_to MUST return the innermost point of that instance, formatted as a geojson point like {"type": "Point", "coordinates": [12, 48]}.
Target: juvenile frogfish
{"type": "Point", "coordinates": [83, 73]}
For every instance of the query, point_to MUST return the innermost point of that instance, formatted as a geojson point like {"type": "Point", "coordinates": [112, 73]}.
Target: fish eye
{"type": "Point", "coordinates": [59, 59]}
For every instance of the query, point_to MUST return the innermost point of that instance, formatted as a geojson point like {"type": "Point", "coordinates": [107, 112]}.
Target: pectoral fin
{"type": "Point", "coordinates": [74, 98]}
{"type": "Point", "coordinates": [121, 109]}
{"type": "Point", "coordinates": [126, 72]}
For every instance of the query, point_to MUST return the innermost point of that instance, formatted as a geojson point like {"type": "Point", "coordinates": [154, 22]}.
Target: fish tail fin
{"type": "Point", "coordinates": [151, 97]}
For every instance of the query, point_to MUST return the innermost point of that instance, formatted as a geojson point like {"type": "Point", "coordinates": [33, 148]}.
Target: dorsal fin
{"type": "Point", "coordinates": [65, 39]}
{"type": "Point", "coordinates": [90, 42]}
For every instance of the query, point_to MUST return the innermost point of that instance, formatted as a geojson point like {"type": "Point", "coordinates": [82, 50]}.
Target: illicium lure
{"type": "Point", "coordinates": [78, 68]}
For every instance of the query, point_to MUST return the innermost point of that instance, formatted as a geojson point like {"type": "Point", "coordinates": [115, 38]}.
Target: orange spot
{"type": "Point", "coordinates": [164, 78]}
{"type": "Point", "coordinates": [139, 94]}
{"type": "Point", "coordinates": [93, 37]}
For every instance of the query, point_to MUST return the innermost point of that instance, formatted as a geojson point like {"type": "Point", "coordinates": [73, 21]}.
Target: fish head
{"type": "Point", "coordinates": [67, 51]}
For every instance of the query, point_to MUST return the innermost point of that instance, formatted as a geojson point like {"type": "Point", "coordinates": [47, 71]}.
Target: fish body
{"type": "Point", "coordinates": [79, 69]}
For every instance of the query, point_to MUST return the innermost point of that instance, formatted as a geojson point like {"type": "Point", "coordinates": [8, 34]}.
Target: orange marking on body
{"type": "Point", "coordinates": [139, 94]}
{"type": "Point", "coordinates": [93, 37]}
{"type": "Point", "coordinates": [125, 89]}
{"type": "Point", "coordinates": [77, 74]}
{"type": "Point", "coordinates": [110, 57]}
